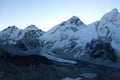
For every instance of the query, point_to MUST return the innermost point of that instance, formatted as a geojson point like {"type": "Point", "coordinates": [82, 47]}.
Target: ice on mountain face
{"type": "Point", "coordinates": [89, 75]}
{"type": "Point", "coordinates": [89, 33]}
{"type": "Point", "coordinates": [109, 28]}
{"type": "Point", "coordinates": [67, 78]}
{"type": "Point", "coordinates": [60, 39]}
{"type": "Point", "coordinates": [53, 57]}
{"type": "Point", "coordinates": [12, 34]}
{"type": "Point", "coordinates": [85, 75]}
{"type": "Point", "coordinates": [106, 30]}
{"type": "Point", "coordinates": [9, 35]}
{"type": "Point", "coordinates": [116, 46]}
{"type": "Point", "coordinates": [111, 16]}
{"type": "Point", "coordinates": [74, 31]}
{"type": "Point", "coordinates": [109, 23]}
{"type": "Point", "coordinates": [34, 30]}
{"type": "Point", "coordinates": [63, 33]}
{"type": "Point", "coordinates": [74, 24]}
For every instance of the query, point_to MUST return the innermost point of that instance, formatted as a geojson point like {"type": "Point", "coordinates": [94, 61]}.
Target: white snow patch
{"type": "Point", "coordinates": [49, 56]}
{"type": "Point", "coordinates": [67, 78]}
{"type": "Point", "coordinates": [89, 75]}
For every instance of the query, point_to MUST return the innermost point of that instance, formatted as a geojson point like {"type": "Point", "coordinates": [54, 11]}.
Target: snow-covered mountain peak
{"type": "Point", "coordinates": [13, 26]}
{"type": "Point", "coordinates": [75, 21]}
{"type": "Point", "coordinates": [32, 30]}
{"type": "Point", "coordinates": [11, 29]}
{"type": "Point", "coordinates": [111, 16]}
{"type": "Point", "coordinates": [74, 24]}
{"type": "Point", "coordinates": [12, 34]}
{"type": "Point", "coordinates": [74, 18]}
{"type": "Point", "coordinates": [31, 27]}
{"type": "Point", "coordinates": [114, 10]}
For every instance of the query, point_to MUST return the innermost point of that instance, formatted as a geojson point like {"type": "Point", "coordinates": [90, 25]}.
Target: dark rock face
{"type": "Point", "coordinates": [101, 49]}
{"type": "Point", "coordinates": [75, 20]}
{"type": "Point", "coordinates": [28, 60]}
{"type": "Point", "coordinates": [25, 60]}
{"type": "Point", "coordinates": [29, 41]}
{"type": "Point", "coordinates": [22, 46]}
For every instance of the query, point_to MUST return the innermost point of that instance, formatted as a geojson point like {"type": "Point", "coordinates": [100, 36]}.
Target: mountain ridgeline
{"type": "Point", "coordinates": [68, 42]}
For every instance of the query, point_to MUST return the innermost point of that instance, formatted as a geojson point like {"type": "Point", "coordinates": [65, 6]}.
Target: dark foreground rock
{"type": "Point", "coordinates": [34, 67]}
{"type": "Point", "coordinates": [42, 71]}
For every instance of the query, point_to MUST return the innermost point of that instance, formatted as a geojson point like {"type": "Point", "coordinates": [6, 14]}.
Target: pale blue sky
{"type": "Point", "coordinates": [47, 13]}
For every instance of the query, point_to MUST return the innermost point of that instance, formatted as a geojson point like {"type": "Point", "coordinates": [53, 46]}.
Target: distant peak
{"type": "Point", "coordinates": [74, 20]}
{"type": "Point", "coordinates": [112, 15]}
{"type": "Point", "coordinates": [114, 10]}
{"type": "Point", "coordinates": [31, 27]}
{"type": "Point", "coordinates": [13, 27]}
{"type": "Point", "coordinates": [10, 28]}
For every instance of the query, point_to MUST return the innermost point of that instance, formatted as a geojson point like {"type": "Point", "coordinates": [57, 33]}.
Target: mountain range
{"type": "Point", "coordinates": [68, 42]}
